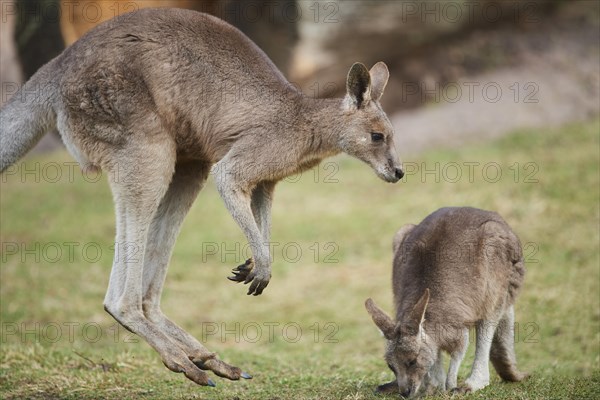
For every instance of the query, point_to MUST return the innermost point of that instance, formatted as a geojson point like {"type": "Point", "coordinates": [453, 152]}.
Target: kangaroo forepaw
{"type": "Point", "coordinates": [388, 388]}
{"type": "Point", "coordinates": [247, 273]}
{"type": "Point", "coordinates": [241, 272]}
{"type": "Point", "coordinates": [222, 369]}
{"type": "Point", "coordinates": [260, 280]}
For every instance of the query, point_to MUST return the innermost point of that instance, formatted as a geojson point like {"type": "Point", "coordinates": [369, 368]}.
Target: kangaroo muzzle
{"type": "Point", "coordinates": [392, 172]}
{"type": "Point", "coordinates": [399, 173]}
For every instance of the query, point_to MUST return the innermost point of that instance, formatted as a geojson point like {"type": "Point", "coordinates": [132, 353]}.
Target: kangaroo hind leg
{"type": "Point", "coordinates": [188, 180]}
{"type": "Point", "coordinates": [144, 173]}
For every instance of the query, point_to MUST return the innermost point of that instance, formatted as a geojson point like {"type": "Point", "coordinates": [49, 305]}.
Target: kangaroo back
{"type": "Point", "coordinates": [470, 259]}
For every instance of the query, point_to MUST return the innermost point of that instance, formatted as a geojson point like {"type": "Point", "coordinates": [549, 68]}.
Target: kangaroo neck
{"type": "Point", "coordinates": [321, 124]}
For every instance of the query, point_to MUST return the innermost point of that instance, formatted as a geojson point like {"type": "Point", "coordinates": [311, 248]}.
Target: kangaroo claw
{"type": "Point", "coordinates": [246, 375]}
{"type": "Point", "coordinates": [257, 286]}
{"type": "Point", "coordinates": [258, 279]}
{"type": "Point", "coordinates": [241, 272]}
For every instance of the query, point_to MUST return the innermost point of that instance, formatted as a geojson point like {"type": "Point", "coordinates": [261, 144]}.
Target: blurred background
{"type": "Point", "coordinates": [478, 61]}
{"type": "Point", "coordinates": [495, 105]}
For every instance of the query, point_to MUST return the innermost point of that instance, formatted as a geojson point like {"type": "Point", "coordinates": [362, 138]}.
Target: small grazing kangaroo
{"type": "Point", "coordinates": [157, 98]}
{"type": "Point", "coordinates": [458, 268]}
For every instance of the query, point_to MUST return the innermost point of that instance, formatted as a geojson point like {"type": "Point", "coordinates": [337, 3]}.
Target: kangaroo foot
{"type": "Point", "coordinates": [221, 368]}
{"type": "Point", "coordinates": [460, 390]}
{"type": "Point", "coordinates": [190, 370]}
{"type": "Point", "coordinates": [516, 376]}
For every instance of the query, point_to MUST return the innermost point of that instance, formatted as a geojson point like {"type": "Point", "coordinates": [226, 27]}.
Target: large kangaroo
{"type": "Point", "coordinates": [458, 268]}
{"type": "Point", "coordinates": [158, 97]}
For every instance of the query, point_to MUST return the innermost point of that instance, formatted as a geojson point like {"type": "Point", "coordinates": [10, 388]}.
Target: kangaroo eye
{"type": "Point", "coordinates": [377, 137]}
{"type": "Point", "coordinates": [411, 363]}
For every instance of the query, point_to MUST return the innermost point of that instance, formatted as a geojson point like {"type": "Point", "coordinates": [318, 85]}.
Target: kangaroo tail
{"type": "Point", "coordinates": [26, 117]}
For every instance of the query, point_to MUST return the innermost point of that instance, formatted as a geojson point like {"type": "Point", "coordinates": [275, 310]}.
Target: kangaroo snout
{"type": "Point", "coordinates": [399, 173]}
{"type": "Point", "coordinates": [391, 174]}
{"type": "Point", "coordinates": [394, 166]}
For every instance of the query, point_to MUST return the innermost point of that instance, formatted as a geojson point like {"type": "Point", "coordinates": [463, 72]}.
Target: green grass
{"type": "Point", "coordinates": [57, 342]}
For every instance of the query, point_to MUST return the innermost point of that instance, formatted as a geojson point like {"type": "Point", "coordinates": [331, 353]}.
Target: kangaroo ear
{"type": "Point", "coordinates": [379, 78]}
{"type": "Point", "coordinates": [358, 86]}
{"type": "Point", "coordinates": [401, 235]}
{"type": "Point", "coordinates": [381, 319]}
{"type": "Point", "coordinates": [417, 315]}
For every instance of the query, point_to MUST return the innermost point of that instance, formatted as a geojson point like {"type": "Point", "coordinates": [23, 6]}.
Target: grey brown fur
{"type": "Point", "coordinates": [460, 267]}
{"type": "Point", "coordinates": [159, 97]}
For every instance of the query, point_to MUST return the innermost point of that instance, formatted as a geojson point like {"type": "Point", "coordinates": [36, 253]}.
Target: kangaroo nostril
{"type": "Point", "coordinates": [406, 393]}
{"type": "Point", "coordinates": [399, 173]}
